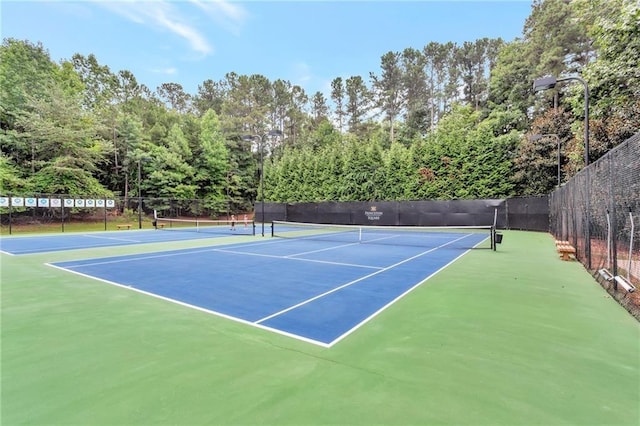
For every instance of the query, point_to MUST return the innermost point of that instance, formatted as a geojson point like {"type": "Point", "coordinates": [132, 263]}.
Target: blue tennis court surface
{"type": "Point", "coordinates": [45, 243]}
{"type": "Point", "coordinates": [316, 291]}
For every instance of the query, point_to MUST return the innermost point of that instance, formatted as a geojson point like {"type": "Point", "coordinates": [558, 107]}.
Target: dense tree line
{"type": "Point", "coordinates": [443, 121]}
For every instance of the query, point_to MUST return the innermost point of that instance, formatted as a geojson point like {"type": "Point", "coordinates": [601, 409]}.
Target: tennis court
{"type": "Point", "coordinates": [318, 285]}
{"type": "Point", "coordinates": [168, 230]}
{"type": "Point", "coordinates": [509, 337]}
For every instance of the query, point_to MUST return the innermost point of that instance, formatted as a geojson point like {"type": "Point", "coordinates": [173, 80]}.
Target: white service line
{"type": "Point", "coordinates": [298, 259]}
{"type": "Point", "coordinates": [304, 302]}
{"type": "Point", "coordinates": [319, 250]}
{"type": "Point", "coordinates": [111, 238]}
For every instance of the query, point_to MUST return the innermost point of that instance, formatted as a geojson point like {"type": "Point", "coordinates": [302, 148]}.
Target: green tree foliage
{"type": "Point", "coordinates": [174, 96]}
{"type": "Point", "coordinates": [211, 95]}
{"type": "Point", "coordinates": [338, 98]}
{"type": "Point", "coordinates": [415, 86]}
{"type": "Point", "coordinates": [26, 71]}
{"type": "Point", "coordinates": [64, 145]}
{"type": "Point", "coordinates": [536, 163]}
{"type": "Point", "coordinates": [167, 174]}
{"type": "Point", "coordinates": [319, 109]}
{"type": "Point", "coordinates": [128, 142]}
{"type": "Point", "coordinates": [556, 41]}
{"type": "Point", "coordinates": [474, 62]}
{"type": "Point", "coordinates": [462, 160]}
{"type": "Point", "coordinates": [510, 84]}
{"type": "Point", "coordinates": [438, 59]}
{"type": "Point", "coordinates": [443, 121]}
{"type": "Point", "coordinates": [389, 89]}
{"type": "Point", "coordinates": [212, 163]}
{"type": "Point", "coordinates": [358, 105]}
{"type": "Point", "coordinates": [99, 82]}
{"type": "Point", "coordinates": [166, 168]}
{"type": "Point", "coordinates": [614, 79]}
{"type": "Point", "coordinates": [63, 176]}
{"type": "Point", "coordinates": [11, 180]}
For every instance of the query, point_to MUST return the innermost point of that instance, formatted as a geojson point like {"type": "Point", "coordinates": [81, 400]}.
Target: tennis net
{"type": "Point", "coordinates": [461, 237]}
{"type": "Point", "coordinates": [238, 227]}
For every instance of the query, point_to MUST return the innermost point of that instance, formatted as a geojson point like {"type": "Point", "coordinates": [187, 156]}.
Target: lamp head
{"type": "Point", "coordinates": [544, 83]}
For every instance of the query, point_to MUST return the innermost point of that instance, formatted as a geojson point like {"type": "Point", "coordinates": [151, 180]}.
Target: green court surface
{"type": "Point", "coordinates": [513, 337]}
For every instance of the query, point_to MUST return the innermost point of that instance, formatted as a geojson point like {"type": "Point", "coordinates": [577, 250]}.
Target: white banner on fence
{"type": "Point", "coordinates": [55, 202]}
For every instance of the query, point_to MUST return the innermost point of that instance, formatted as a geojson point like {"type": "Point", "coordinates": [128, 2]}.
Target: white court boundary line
{"type": "Point", "coordinates": [66, 248]}
{"type": "Point", "coordinates": [197, 308]}
{"type": "Point", "coordinates": [350, 283]}
{"type": "Point", "coordinates": [257, 323]}
{"type": "Point", "coordinates": [289, 257]}
{"type": "Point", "coordinates": [134, 257]}
{"type": "Point", "coordinates": [400, 296]}
{"type": "Point", "coordinates": [99, 237]}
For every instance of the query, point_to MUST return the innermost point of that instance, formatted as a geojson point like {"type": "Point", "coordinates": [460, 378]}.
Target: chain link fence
{"type": "Point", "coordinates": [63, 212]}
{"type": "Point", "coordinates": [598, 211]}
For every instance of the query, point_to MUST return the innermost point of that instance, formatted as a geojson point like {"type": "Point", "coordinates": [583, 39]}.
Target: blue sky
{"type": "Point", "coordinates": [308, 43]}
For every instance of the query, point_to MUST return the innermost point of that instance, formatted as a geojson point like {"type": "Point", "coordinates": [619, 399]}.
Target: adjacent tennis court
{"type": "Point", "coordinates": [318, 285]}
{"type": "Point", "coordinates": [180, 230]}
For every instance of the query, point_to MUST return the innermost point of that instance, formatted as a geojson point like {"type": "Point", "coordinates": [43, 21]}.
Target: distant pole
{"type": "Point", "coordinates": [140, 160]}
{"type": "Point", "coordinates": [260, 140]}
{"type": "Point", "coordinates": [139, 196]}
{"type": "Point", "coordinates": [549, 83]}
{"type": "Point", "coordinates": [262, 181]}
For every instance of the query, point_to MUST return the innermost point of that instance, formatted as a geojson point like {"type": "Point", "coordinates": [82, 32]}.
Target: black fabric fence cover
{"type": "Point", "coordinates": [515, 213]}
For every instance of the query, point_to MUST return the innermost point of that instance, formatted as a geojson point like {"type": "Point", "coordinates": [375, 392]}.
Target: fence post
{"type": "Point", "coordinates": [614, 222]}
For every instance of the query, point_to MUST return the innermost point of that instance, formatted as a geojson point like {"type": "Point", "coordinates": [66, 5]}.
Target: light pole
{"type": "Point", "coordinates": [140, 160]}
{"type": "Point", "coordinates": [536, 137]}
{"type": "Point", "coordinates": [260, 140]}
{"type": "Point", "coordinates": [549, 83]}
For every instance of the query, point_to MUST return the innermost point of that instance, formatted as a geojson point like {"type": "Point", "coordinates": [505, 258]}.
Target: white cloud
{"type": "Point", "coordinates": [161, 14]}
{"type": "Point", "coordinates": [226, 14]}
{"type": "Point", "coordinates": [302, 73]}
